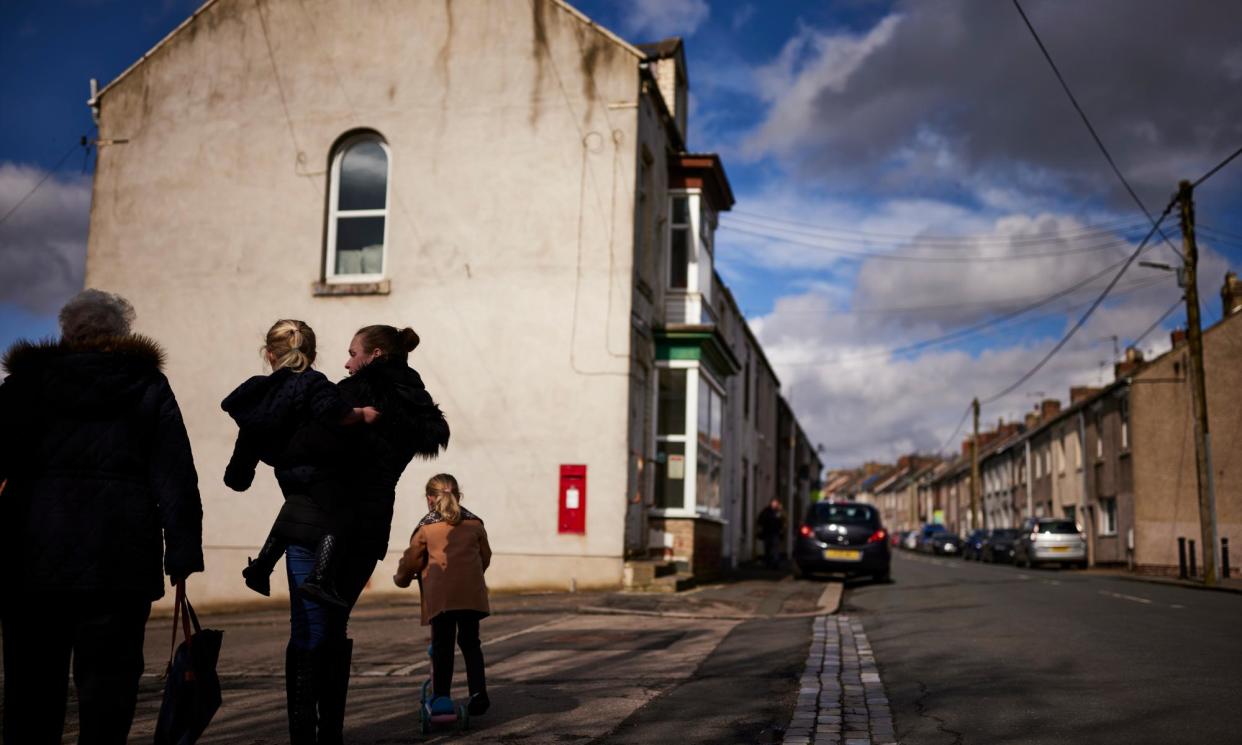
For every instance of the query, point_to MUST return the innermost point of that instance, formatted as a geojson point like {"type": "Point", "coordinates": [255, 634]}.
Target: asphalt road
{"type": "Point", "coordinates": [993, 654]}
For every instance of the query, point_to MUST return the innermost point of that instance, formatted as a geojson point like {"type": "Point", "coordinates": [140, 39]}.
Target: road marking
{"type": "Point", "coordinates": [1053, 582]}
{"type": "Point", "coordinates": [1023, 576]}
{"type": "Point", "coordinates": [1120, 596]}
{"type": "Point", "coordinates": [1175, 605]}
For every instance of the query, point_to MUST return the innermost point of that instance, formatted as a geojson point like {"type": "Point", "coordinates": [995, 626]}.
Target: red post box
{"type": "Point", "coordinates": [571, 517]}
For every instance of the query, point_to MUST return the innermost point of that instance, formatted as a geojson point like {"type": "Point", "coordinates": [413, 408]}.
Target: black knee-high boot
{"type": "Point", "coordinates": [301, 694]}
{"type": "Point", "coordinates": [332, 674]}
{"type": "Point", "coordinates": [258, 571]}
{"type": "Point", "coordinates": [320, 586]}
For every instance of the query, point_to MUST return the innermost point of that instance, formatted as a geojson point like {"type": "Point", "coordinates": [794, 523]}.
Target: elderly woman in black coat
{"type": "Point", "coordinates": [100, 502]}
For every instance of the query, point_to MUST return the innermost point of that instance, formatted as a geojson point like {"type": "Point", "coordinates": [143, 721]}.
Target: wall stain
{"type": "Point", "coordinates": [442, 65]}
{"type": "Point", "coordinates": [591, 46]}
{"type": "Point", "coordinates": [540, 53]}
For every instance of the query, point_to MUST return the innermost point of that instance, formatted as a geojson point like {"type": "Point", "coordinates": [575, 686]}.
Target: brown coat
{"type": "Point", "coordinates": [451, 560]}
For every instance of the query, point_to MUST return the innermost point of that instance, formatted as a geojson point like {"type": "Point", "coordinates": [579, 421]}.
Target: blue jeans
{"type": "Point", "coordinates": [311, 623]}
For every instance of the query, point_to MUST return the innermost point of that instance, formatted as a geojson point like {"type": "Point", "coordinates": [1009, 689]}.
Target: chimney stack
{"type": "Point", "coordinates": [1178, 337]}
{"type": "Point", "coordinates": [1048, 408]}
{"type": "Point", "coordinates": [1081, 393]}
{"type": "Point", "coordinates": [1032, 420]}
{"type": "Point", "coordinates": [1133, 361]}
{"type": "Point", "coordinates": [1231, 294]}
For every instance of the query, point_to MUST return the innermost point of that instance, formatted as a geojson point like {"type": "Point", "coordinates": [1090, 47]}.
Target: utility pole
{"type": "Point", "coordinates": [976, 520]}
{"type": "Point", "coordinates": [1198, 388]}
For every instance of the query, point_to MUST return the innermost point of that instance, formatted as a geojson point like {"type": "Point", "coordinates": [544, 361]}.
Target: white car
{"type": "Point", "coordinates": [1050, 540]}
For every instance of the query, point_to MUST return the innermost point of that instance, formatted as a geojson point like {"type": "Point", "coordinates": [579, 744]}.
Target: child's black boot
{"type": "Point", "coordinates": [258, 571]}
{"type": "Point", "coordinates": [320, 586]}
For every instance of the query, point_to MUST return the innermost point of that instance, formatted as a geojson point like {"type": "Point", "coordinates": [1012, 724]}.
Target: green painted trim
{"type": "Point", "coordinates": [700, 345]}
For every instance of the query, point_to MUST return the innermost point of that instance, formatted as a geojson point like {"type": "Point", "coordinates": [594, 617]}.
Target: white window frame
{"type": "Point", "coordinates": [692, 239]}
{"type": "Point", "coordinates": [329, 269]}
{"type": "Point", "coordinates": [712, 383]}
{"type": "Point", "coordinates": [689, 441]}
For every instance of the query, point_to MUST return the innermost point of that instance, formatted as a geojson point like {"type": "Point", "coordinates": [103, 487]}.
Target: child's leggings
{"type": "Point", "coordinates": [462, 625]}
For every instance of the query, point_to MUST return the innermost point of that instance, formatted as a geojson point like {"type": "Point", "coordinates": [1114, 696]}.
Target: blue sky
{"type": "Point", "coordinates": [925, 130]}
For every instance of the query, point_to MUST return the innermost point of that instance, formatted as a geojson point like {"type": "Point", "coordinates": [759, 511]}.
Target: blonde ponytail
{"type": "Point", "coordinates": [443, 488]}
{"type": "Point", "coordinates": [290, 343]}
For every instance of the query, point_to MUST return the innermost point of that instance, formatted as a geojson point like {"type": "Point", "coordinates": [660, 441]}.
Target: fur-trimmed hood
{"type": "Point", "coordinates": [99, 374]}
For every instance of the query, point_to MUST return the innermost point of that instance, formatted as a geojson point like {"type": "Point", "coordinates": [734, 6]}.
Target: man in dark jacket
{"type": "Point", "coordinates": [771, 528]}
{"type": "Point", "coordinates": [101, 491]}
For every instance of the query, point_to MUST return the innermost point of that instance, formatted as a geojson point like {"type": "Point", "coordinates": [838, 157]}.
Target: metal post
{"type": "Point", "coordinates": [1181, 557]}
{"type": "Point", "coordinates": [1224, 558]}
{"type": "Point", "coordinates": [1194, 569]}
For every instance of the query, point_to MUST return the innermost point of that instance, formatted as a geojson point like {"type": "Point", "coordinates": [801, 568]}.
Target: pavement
{"type": "Point", "coordinates": [718, 664]}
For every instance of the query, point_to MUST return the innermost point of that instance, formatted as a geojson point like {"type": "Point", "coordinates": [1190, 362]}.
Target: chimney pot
{"type": "Point", "coordinates": [1231, 294]}
{"type": "Point", "coordinates": [1178, 337]}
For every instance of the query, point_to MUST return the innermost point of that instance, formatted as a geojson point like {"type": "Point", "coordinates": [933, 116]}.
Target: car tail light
{"type": "Point", "coordinates": [877, 536]}
{"type": "Point", "coordinates": [805, 531]}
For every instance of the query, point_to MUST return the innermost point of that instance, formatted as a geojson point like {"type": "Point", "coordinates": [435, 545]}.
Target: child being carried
{"type": "Point", "coordinates": [291, 420]}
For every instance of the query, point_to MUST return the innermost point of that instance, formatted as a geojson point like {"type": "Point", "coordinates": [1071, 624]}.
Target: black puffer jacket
{"type": "Point", "coordinates": [101, 481]}
{"type": "Point", "coordinates": [411, 424]}
{"type": "Point", "coordinates": [289, 421]}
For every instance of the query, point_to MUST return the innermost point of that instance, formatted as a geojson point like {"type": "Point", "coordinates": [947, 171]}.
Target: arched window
{"type": "Point", "coordinates": [358, 209]}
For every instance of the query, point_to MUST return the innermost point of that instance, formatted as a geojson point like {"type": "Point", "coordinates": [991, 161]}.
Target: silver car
{"type": "Point", "coordinates": [1050, 540]}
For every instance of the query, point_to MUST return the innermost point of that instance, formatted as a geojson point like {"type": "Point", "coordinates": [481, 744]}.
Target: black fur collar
{"type": "Point", "coordinates": [25, 354]}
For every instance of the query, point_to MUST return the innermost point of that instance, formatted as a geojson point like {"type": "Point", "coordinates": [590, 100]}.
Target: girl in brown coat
{"type": "Point", "coordinates": [448, 554]}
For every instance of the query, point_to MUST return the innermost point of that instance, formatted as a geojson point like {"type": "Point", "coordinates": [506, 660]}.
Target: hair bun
{"type": "Point", "coordinates": [408, 339]}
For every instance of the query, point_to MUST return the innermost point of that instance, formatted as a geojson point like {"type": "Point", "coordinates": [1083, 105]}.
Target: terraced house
{"type": "Point", "coordinates": [514, 182]}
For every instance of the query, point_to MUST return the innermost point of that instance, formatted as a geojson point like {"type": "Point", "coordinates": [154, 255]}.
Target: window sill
{"type": "Point", "coordinates": [334, 289]}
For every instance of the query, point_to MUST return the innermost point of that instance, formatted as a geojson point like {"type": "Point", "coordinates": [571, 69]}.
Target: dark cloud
{"type": "Point", "coordinates": [43, 243]}
{"type": "Point", "coordinates": [954, 94]}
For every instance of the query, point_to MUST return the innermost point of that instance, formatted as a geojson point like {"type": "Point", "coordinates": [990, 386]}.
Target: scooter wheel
{"type": "Point", "coordinates": [425, 692]}
{"type": "Point", "coordinates": [424, 720]}
{"type": "Point", "coordinates": [463, 717]}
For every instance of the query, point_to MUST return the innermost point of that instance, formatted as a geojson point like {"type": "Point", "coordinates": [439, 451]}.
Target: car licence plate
{"type": "Point", "coordinates": [1060, 548]}
{"type": "Point", "coordinates": [836, 553]}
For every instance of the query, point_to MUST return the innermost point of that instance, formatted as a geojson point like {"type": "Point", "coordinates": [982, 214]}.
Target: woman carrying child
{"type": "Point", "coordinates": [448, 554]}
{"type": "Point", "coordinates": [295, 421]}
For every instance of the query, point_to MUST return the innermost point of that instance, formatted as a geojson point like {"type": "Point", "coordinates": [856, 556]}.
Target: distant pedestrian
{"type": "Point", "coordinates": [449, 553]}
{"type": "Point", "coordinates": [772, 529]}
{"type": "Point", "coordinates": [101, 488]}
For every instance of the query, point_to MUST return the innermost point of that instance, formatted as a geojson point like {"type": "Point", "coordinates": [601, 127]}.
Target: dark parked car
{"type": "Point", "coordinates": [843, 538]}
{"type": "Point", "coordinates": [945, 544]}
{"type": "Point", "coordinates": [923, 536]}
{"type": "Point", "coordinates": [972, 547]}
{"type": "Point", "coordinates": [998, 546]}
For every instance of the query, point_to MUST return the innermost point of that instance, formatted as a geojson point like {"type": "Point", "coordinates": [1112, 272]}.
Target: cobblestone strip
{"type": "Point", "coordinates": [841, 700]}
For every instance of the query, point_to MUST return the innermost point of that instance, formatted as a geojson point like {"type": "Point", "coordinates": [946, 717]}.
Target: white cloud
{"type": "Point", "coordinates": [665, 17]}
{"type": "Point", "coordinates": [43, 243]}
{"type": "Point", "coordinates": [955, 94]}
{"type": "Point", "coordinates": [831, 347]}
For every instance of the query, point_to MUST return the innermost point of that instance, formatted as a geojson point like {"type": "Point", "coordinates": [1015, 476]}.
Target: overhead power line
{"type": "Point", "coordinates": [969, 331]}
{"type": "Point", "coordinates": [880, 256]}
{"type": "Point", "coordinates": [42, 181]}
{"type": "Point", "coordinates": [965, 240]}
{"type": "Point", "coordinates": [1090, 310]}
{"type": "Point", "coordinates": [1216, 168]}
{"type": "Point", "coordinates": [950, 438]}
{"type": "Point", "coordinates": [1094, 135]}
{"type": "Point", "coordinates": [1139, 339]}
